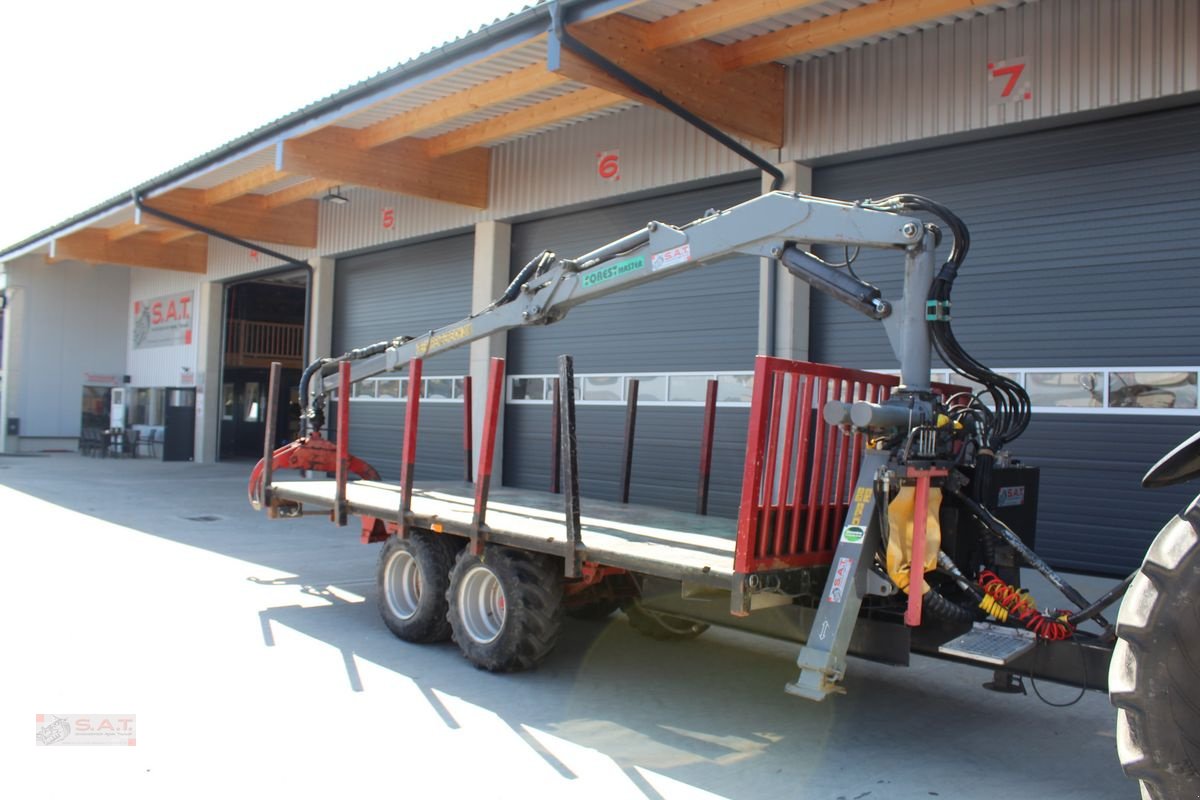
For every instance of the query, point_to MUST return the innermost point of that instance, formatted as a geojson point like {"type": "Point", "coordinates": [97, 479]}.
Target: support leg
{"type": "Point", "coordinates": [822, 660]}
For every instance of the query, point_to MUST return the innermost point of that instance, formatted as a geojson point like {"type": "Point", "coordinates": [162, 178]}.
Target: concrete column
{"type": "Point", "coordinates": [788, 338]}
{"type": "Point", "coordinates": [320, 315]}
{"type": "Point", "coordinates": [493, 247]}
{"type": "Point", "coordinates": [210, 310]}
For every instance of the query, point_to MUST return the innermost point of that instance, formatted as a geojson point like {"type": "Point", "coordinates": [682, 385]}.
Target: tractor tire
{"type": "Point", "coordinates": [664, 627]}
{"type": "Point", "coordinates": [412, 579]}
{"type": "Point", "coordinates": [505, 607]}
{"type": "Point", "coordinates": [1154, 677]}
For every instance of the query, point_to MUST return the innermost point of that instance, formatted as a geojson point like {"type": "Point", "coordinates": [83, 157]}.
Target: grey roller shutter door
{"type": "Point", "coordinates": [406, 291]}
{"type": "Point", "coordinates": [703, 320]}
{"type": "Point", "coordinates": [1084, 245]}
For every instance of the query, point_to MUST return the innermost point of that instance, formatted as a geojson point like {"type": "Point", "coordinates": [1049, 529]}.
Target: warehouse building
{"type": "Point", "coordinates": [1064, 132]}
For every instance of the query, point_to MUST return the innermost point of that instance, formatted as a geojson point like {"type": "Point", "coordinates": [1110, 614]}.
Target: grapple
{"type": "Point", "coordinates": [311, 452]}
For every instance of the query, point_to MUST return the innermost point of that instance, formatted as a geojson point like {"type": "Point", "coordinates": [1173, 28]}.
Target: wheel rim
{"type": "Point", "coordinates": [403, 584]}
{"type": "Point", "coordinates": [481, 605]}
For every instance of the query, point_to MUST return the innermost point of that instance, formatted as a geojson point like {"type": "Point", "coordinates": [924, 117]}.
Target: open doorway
{"type": "Point", "coordinates": [264, 322]}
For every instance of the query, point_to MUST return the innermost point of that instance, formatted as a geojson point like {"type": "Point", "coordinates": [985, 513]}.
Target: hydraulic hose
{"type": "Point", "coordinates": [1006, 534]}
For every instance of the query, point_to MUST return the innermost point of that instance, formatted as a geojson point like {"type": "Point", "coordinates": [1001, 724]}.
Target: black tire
{"type": "Point", "coordinates": [664, 627]}
{"type": "Point", "coordinates": [1154, 676]}
{"type": "Point", "coordinates": [412, 579]}
{"type": "Point", "coordinates": [505, 607]}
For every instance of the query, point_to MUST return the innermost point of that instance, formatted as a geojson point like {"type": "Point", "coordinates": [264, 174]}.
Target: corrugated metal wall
{"type": "Point", "coordinates": [552, 170]}
{"type": "Point", "coordinates": [404, 292]}
{"type": "Point", "coordinates": [704, 320]}
{"type": "Point", "coordinates": [1083, 252]}
{"type": "Point", "coordinates": [1082, 55]}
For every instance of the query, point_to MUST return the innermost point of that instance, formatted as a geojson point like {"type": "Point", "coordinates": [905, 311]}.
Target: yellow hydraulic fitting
{"type": "Point", "coordinates": [900, 535]}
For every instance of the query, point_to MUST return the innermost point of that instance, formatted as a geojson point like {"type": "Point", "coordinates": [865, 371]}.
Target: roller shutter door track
{"type": "Point", "coordinates": [1083, 253]}
{"type": "Point", "coordinates": [703, 320]}
{"type": "Point", "coordinates": [406, 291]}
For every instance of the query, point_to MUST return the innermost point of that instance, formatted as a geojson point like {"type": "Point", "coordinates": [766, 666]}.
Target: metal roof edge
{"type": "Point", "coordinates": [500, 35]}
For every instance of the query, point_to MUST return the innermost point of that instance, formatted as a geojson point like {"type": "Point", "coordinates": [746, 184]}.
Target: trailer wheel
{"type": "Point", "coordinates": [664, 627]}
{"type": "Point", "coordinates": [1154, 676]}
{"type": "Point", "coordinates": [412, 579]}
{"type": "Point", "coordinates": [505, 607]}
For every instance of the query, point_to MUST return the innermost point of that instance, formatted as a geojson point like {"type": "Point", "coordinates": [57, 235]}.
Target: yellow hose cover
{"type": "Point", "coordinates": [900, 535]}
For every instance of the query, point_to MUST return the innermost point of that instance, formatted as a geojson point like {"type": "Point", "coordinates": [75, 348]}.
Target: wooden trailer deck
{"type": "Point", "coordinates": [655, 541]}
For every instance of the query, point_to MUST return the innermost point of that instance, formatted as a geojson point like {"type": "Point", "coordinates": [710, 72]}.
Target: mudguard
{"type": "Point", "coordinates": [309, 453]}
{"type": "Point", "coordinates": [1179, 465]}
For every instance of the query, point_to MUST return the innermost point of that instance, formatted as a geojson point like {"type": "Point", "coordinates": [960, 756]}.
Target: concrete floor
{"type": "Point", "coordinates": [253, 656]}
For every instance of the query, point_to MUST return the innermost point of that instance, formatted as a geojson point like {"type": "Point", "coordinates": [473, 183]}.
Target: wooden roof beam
{"type": "Point", "coordinates": [133, 227]}
{"type": "Point", "coordinates": [93, 246]}
{"type": "Point", "coordinates": [547, 112]}
{"type": "Point", "coordinates": [835, 29]}
{"type": "Point", "coordinates": [527, 80]}
{"type": "Point", "coordinates": [243, 185]}
{"type": "Point", "coordinates": [749, 103]}
{"type": "Point", "coordinates": [402, 166]}
{"type": "Point", "coordinates": [299, 191]}
{"type": "Point", "coordinates": [247, 217]}
{"type": "Point", "coordinates": [716, 18]}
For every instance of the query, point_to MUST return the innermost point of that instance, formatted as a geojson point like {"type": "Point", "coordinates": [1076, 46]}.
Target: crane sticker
{"type": "Point", "coordinates": [443, 338]}
{"type": "Point", "coordinates": [840, 576]}
{"type": "Point", "coordinates": [594, 277]}
{"type": "Point", "coordinates": [669, 258]}
{"type": "Point", "coordinates": [853, 534]}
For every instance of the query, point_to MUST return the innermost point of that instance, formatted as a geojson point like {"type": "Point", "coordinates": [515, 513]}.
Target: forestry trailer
{"type": "Point", "coordinates": [879, 514]}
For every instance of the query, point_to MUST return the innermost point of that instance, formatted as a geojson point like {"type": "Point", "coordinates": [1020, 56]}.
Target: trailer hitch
{"type": "Point", "coordinates": [312, 453]}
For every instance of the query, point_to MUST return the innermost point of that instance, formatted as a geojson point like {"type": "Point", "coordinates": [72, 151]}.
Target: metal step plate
{"type": "Point", "coordinates": [990, 644]}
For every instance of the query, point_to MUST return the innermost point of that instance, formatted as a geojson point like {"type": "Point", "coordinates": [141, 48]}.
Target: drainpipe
{"type": "Point", "coordinates": [141, 206]}
{"type": "Point", "coordinates": [560, 39]}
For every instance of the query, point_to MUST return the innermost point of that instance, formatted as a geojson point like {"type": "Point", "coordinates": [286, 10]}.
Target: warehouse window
{"type": "Point", "coordinates": [434, 389]}
{"type": "Point", "coordinates": [654, 388]}
{"type": "Point", "coordinates": [1101, 390]}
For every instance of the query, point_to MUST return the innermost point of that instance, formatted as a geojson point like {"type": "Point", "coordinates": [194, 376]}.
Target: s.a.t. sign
{"type": "Point", "coordinates": [162, 321]}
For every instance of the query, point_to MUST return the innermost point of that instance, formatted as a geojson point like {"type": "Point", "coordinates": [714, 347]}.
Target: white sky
{"type": "Point", "coordinates": [97, 97]}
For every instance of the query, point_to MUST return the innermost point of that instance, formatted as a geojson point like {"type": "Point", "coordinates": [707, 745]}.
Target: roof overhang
{"type": "Point", "coordinates": [427, 128]}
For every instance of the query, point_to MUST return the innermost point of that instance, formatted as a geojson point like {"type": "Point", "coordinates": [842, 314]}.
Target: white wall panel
{"type": "Point", "coordinates": [74, 323]}
{"type": "Point", "coordinates": [1083, 55]}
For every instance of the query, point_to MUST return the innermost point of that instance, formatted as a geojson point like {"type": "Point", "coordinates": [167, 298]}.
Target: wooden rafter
{"type": "Point", "coordinates": [93, 246]}
{"type": "Point", "coordinates": [243, 185]}
{"type": "Point", "coordinates": [166, 237]}
{"type": "Point", "coordinates": [133, 227]}
{"type": "Point", "coordinates": [715, 18]}
{"type": "Point", "coordinates": [526, 80]}
{"type": "Point", "coordinates": [247, 217]}
{"type": "Point", "coordinates": [749, 103]}
{"type": "Point", "coordinates": [402, 166]}
{"type": "Point", "coordinates": [835, 29]}
{"type": "Point", "coordinates": [547, 112]}
{"type": "Point", "coordinates": [297, 192]}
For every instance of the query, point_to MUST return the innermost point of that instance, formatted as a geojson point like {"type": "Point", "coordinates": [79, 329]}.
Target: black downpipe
{"type": "Point", "coordinates": [195, 226]}
{"type": "Point", "coordinates": [140, 204]}
{"type": "Point", "coordinates": [559, 31]}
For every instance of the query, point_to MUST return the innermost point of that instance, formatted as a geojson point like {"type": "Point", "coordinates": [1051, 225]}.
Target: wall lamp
{"type": "Point", "coordinates": [336, 197]}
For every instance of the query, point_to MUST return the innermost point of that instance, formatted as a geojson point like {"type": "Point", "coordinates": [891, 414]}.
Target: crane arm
{"type": "Point", "coordinates": [771, 225]}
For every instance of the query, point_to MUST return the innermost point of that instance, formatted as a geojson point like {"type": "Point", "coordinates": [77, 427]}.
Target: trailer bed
{"type": "Point", "coordinates": [655, 541]}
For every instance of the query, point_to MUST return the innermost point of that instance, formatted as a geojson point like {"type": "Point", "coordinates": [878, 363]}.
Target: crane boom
{"type": "Point", "coordinates": [771, 225]}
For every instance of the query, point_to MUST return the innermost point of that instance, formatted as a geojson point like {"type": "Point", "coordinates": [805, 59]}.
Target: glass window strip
{"type": "Point", "coordinates": [395, 389]}
{"type": "Point", "coordinates": [535, 389]}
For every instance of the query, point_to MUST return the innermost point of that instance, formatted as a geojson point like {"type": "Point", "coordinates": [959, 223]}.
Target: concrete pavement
{"type": "Point", "coordinates": [253, 656]}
